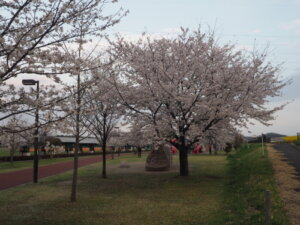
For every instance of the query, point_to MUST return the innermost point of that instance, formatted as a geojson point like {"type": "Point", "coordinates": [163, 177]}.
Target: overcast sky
{"type": "Point", "coordinates": [273, 23]}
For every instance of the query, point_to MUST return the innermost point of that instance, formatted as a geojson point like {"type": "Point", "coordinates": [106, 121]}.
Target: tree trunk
{"type": "Point", "coordinates": [139, 152]}
{"type": "Point", "coordinates": [12, 149]}
{"type": "Point", "coordinates": [112, 151]}
{"type": "Point", "coordinates": [75, 165]}
{"type": "Point", "coordinates": [104, 160]}
{"type": "Point", "coordinates": [183, 158]}
{"type": "Point", "coordinates": [11, 156]}
{"type": "Point", "coordinates": [75, 171]}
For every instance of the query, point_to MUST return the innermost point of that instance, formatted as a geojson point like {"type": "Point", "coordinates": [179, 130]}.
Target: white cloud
{"type": "Point", "coordinates": [256, 31]}
{"type": "Point", "coordinates": [291, 44]}
{"type": "Point", "coordinates": [288, 1]}
{"type": "Point", "coordinates": [244, 47]}
{"type": "Point", "coordinates": [171, 30]}
{"type": "Point", "coordinates": [293, 25]}
{"type": "Point", "coordinates": [164, 33]}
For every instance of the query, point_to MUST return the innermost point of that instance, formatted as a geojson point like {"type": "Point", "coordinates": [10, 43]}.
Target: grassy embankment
{"type": "Point", "coordinates": [215, 193]}
{"type": "Point", "coordinates": [249, 175]}
{"type": "Point", "coordinates": [297, 143]}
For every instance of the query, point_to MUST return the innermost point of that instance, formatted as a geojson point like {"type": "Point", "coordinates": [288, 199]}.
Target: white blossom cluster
{"type": "Point", "coordinates": [192, 88]}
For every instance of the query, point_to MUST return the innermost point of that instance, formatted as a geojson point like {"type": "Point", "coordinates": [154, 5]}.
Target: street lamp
{"type": "Point", "coordinates": [35, 160]}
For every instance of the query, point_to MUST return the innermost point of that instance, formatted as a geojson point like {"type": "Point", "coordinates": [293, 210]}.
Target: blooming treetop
{"type": "Point", "coordinates": [187, 86]}
{"type": "Point", "coordinates": [32, 35]}
{"type": "Point", "coordinates": [31, 31]}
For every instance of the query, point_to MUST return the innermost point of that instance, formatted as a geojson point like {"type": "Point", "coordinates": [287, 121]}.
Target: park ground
{"type": "Point", "coordinates": [221, 189]}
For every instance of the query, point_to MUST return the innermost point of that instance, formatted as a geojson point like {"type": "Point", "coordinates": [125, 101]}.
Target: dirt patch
{"type": "Point", "coordinates": [67, 182]}
{"type": "Point", "coordinates": [288, 184]}
{"type": "Point", "coordinates": [137, 167]}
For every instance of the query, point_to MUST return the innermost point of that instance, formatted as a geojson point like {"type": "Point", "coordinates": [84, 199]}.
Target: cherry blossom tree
{"type": "Point", "coordinates": [31, 31]}
{"type": "Point", "coordinates": [16, 102]}
{"type": "Point", "coordinates": [139, 135]}
{"type": "Point", "coordinates": [219, 136]}
{"type": "Point", "coordinates": [186, 86]}
{"type": "Point", "coordinates": [79, 63]}
{"type": "Point", "coordinates": [13, 138]}
{"type": "Point", "coordinates": [101, 112]}
{"type": "Point", "coordinates": [32, 34]}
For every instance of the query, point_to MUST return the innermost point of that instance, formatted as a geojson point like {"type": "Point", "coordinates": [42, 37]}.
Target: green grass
{"type": "Point", "coordinates": [218, 191]}
{"type": "Point", "coordinates": [297, 142]}
{"type": "Point", "coordinates": [18, 165]}
{"type": "Point", "coordinates": [249, 175]}
{"type": "Point", "coordinates": [5, 152]}
{"type": "Point", "coordinates": [123, 198]}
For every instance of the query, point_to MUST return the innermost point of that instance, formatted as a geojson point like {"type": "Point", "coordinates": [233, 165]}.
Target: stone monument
{"type": "Point", "coordinates": [158, 160]}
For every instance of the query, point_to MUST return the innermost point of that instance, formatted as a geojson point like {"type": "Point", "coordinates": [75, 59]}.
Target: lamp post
{"type": "Point", "coordinates": [262, 144]}
{"type": "Point", "coordinates": [35, 160]}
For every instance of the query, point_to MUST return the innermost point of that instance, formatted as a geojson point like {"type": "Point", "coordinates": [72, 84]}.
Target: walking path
{"type": "Point", "coordinates": [292, 153]}
{"type": "Point", "coordinates": [12, 179]}
{"type": "Point", "coordinates": [286, 163]}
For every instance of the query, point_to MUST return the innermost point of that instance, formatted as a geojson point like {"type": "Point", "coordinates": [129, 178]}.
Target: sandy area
{"type": "Point", "coordinates": [137, 167]}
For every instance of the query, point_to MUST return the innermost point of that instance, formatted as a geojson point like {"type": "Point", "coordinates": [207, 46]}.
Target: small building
{"type": "Point", "coordinates": [86, 144]}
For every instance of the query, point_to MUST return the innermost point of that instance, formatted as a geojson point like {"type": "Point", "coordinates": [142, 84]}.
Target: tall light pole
{"type": "Point", "coordinates": [36, 139]}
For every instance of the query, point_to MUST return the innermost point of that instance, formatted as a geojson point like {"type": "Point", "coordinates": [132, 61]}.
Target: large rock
{"type": "Point", "coordinates": [157, 160]}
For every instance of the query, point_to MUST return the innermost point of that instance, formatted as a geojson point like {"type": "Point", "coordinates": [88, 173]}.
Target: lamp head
{"type": "Point", "coordinates": [29, 82]}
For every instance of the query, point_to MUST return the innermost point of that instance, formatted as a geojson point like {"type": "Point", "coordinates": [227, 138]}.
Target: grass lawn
{"type": "Point", "coordinates": [132, 197]}
{"type": "Point", "coordinates": [18, 165]}
{"type": "Point", "coordinates": [218, 191]}
{"type": "Point", "coordinates": [6, 153]}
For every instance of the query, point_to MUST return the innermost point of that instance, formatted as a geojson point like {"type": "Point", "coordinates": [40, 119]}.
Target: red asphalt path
{"type": "Point", "coordinates": [15, 178]}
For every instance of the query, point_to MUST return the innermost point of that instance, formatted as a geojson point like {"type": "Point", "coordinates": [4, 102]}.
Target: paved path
{"type": "Point", "coordinates": [292, 153]}
{"type": "Point", "coordinates": [14, 178]}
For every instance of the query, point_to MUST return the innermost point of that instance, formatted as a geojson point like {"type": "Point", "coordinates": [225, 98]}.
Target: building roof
{"type": "Point", "coordinates": [71, 139]}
